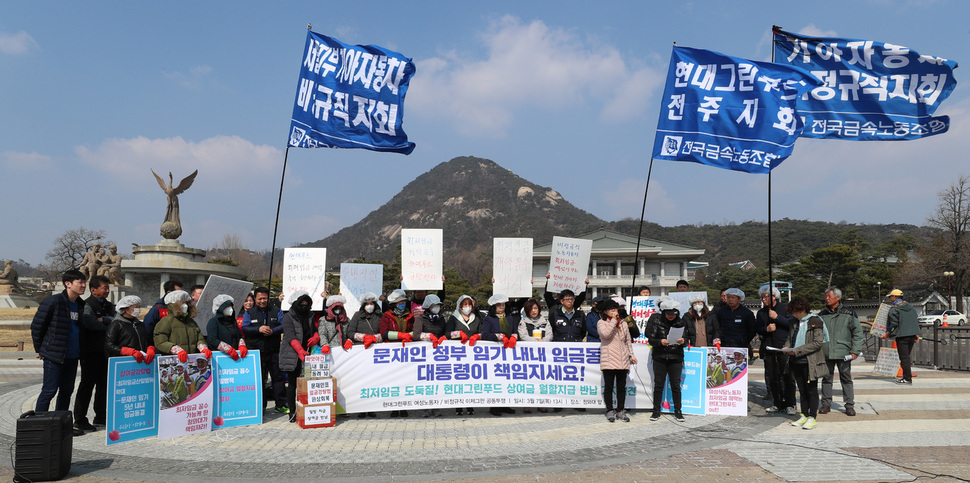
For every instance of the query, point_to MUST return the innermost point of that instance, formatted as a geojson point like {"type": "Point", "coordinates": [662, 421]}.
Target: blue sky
{"type": "Point", "coordinates": [566, 94]}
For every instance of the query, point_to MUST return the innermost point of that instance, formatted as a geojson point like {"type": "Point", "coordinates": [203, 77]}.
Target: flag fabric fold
{"type": "Point", "coordinates": [350, 96]}
{"type": "Point", "coordinates": [870, 91]}
{"type": "Point", "coordinates": [729, 112]}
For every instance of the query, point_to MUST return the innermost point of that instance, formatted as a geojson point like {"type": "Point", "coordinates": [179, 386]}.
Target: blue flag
{"type": "Point", "coordinates": [729, 112]}
{"type": "Point", "coordinates": [871, 91]}
{"type": "Point", "coordinates": [350, 96]}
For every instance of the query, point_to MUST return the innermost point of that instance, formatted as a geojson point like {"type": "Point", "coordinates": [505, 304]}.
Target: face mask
{"type": "Point", "coordinates": [435, 309]}
{"type": "Point", "coordinates": [227, 312]}
{"type": "Point", "coordinates": [337, 311]}
{"type": "Point", "coordinates": [369, 309]}
{"type": "Point", "coordinates": [185, 308]}
{"type": "Point", "coordinates": [402, 306]}
{"type": "Point", "coordinates": [466, 310]}
{"type": "Point", "coordinates": [698, 307]}
{"type": "Point", "coordinates": [135, 312]}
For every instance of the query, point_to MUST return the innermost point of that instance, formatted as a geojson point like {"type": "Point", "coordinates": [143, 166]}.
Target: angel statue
{"type": "Point", "coordinates": [172, 227]}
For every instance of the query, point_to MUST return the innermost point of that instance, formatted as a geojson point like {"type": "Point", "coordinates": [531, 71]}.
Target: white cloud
{"type": "Point", "coordinates": [225, 161]}
{"type": "Point", "coordinates": [811, 30]}
{"type": "Point", "coordinates": [527, 66]}
{"type": "Point", "coordinates": [193, 80]}
{"type": "Point", "coordinates": [25, 161]}
{"type": "Point", "coordinates": [17, 44]}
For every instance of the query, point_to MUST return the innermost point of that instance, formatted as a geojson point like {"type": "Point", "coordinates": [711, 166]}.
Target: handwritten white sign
{"type": "Point", "coordinates": [421, 265]}
{"type": "Point", "coordinates": [512, 266]}
{"type": "Point", "coordinates": [357, 279]}
{"type": "Point", "coordinates": [215, 286]}
{"type": "Point", "coordinates": [569, 264]}
{"type": "Point", "coordinates": [304, 269]}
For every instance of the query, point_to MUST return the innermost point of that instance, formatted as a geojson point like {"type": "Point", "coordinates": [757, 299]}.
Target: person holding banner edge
{"type": "Point", "coordinates": [364, 328]}
{"type": "Point", "coordinates": [179, 330]}
{"type": "Point", "coordinates": [668, 355]}
{"type": "Point", "coordinates": [298, 334]}
{"type": "Point", "coordinates": [465, 324]}
{"type": "Point", "coordinates": [616, 356]}
{"type": "Point", "coordinates": [500, 327]}
{"type": "Point", "coordinates": [222, 333]}
{"type": "Point", "coordinates": [126, 335]}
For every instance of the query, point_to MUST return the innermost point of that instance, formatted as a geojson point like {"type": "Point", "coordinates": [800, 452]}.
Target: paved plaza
{"type": "Point", "coordinates": [902, 433]}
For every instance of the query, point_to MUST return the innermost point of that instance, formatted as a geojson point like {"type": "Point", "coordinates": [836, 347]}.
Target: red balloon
{"type": "Point", "coordinates": [114, 435]}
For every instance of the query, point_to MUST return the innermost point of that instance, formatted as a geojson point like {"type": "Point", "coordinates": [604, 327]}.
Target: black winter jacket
{"type": "Point", "coordinates": [124, 332]}
{"type": "Point", "coordinates": [657, 328]}
{"type": "Point", "coordinates": [51, 328]}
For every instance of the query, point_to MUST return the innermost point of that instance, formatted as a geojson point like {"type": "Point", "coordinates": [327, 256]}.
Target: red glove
{"type": "Point", "coordinates": [474, 338]}
{"type": "Point", "coordinates": [150, 354]}
{"type": "Point", "coordinates": [139, 358]}
{"type": "Point", "coordinates": [183, 356]}
{"type": "Point", "coordinates": [435, 342]}
{"type": "Point", "coordinates": [232, 353]}
{"type": "Point", "coordinates": [464, 338]}
{"type": "Point", "coordinates": [325, 349]}
{"type": "Point", "coordinates": [207, 353]}
{"type": "Point", "coordinates": [313, 340]}
{"type": "Point", "coordinates": [348, 344]}
{"type": "Point", "coordinates": [128, 351]}
{"type": "Point", "coordinates": [510, 342]}
{"type": "Point", "coordinates": [243, 351]}
{"type": "Point", "coordinates": [301, 353]}
{"type": "Point", "coordinates": [717, 344]}
{"type": "Point", "coordinates": [368, 340]}
{"type": "Point", "coordinates": [405, 337]}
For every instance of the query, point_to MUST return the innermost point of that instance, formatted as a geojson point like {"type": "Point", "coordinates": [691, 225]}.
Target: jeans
{"type": "Point", "coordinates": [94, 378]}
{"type": "Point", "coordinates": [904, 346]}
{"type": "Point", "coordinates": [661, 370]}
{"type": "Point", "coordinates": [845, 378]}
{"type": "Point", "coordinates": [781, 384]}
{"type": "Point", "coordinates": [619, 376]}
{"type": "Point", "coordinates": [58, 379]}
{"type": "Point", "coordinates": [807, 390]}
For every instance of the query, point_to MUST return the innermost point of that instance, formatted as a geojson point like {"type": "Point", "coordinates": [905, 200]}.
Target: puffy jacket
{"type": "Point", "coordinates": [124, 332]}
{"type": "Point", "coordinates": [902, 320]}
{"type": "Point", "coordinates": [845, 332]}
{"type": "Point", "coordinates": [782, 326]}
{"type": "Point", "coordinates": [457, 321]}
{"type": "Point", "coordinates": [491, 327]}
{"type": "Point", "coordinates": [811, 351]}
{"type": "Point", "coordinates": [737, 326]}
{"type": "Point", "coordinates": [428, 323]}
{"type": "Point", "coordinates": [363, 324]}
{"type": "Point", "coordinates": [298, 329]}
{"type": "Point", "coordinates": [592, 326]}
{"type": "Point", "coordinates": [255, 318]}
{"type": "Point", "coordinates": [527, 325]}
{"type": "Point", "coordinates": [182, 331]}
{"type": "Point", "coordinates": [392, 323]}
{"type": "Point", "coordinates": [50, 330]}
{"type": "Point", "coordinates": [222, 329]}
{"type": "Point", "coordinates": [712, 329]}
{"type": "Point", "coordinates": [95, 319]}
{"type": "Point", "coordinates": [657, 329]}
{"type": "Point", "coordinates": [616, 345]}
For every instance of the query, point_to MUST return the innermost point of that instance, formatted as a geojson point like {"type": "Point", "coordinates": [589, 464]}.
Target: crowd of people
{"type": "Point", "coordinates": [799, 348]}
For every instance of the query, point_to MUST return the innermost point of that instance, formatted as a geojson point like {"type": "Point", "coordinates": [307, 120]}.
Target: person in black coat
{"type": "Point", "coordinates": [222, 331]}
{"type": "Point", "coordinates": [55, 332]}
{"type": "Point", "coordinates": [668, 355]}
{"type": "Point", "coordinates": [774, 324]}
{"type": "Point", "coordinates": [127, 335]}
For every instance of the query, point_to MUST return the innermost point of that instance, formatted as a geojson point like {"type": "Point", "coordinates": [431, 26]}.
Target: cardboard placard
{"type": "Point", "coordinates": [316, 391]}
{"type": "Point", "coordinates": [318, 365]}
{"type": "Point", "coordinates": [318, 416]}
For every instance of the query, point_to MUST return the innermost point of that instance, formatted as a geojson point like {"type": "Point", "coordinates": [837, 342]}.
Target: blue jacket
{"type": "Point", "coordinates": [592, 332]}
{"type": "Point", "coordinates": [256, 317]}
{"type": "Point", "coordinates": [52, 327]}
{"type": "Point", "coordinates": [156, 313]}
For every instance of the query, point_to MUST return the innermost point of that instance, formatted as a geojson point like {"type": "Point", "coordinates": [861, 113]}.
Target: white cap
{"type": "Point", "coordinates": [128, 301]}
{"type": "Point", "coordinates": [498, 299]}
{"type": "Point", "coordinates": [396, 296]}
{"type": "Point", "coordinates": [431, 300]}
{"type": "Point", "coordinates": [669, 304]}
{"type": "Point", "coordinates": [620, 301]}
{"type": "Point", "coordinates": [219, 300]}
{"type": "Point", "coordinates": [176, 296]}
{"type": "Point", "coordinates": [296, 296]}
{"type": "Point", "coordinates": [735, 291]}
{"type": "Point", "coordinates": [368, 297]}
{"type": "Point", "coordinates": [336, 299]}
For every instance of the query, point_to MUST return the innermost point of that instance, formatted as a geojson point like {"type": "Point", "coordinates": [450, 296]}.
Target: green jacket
{"type": "Point", "coordinates": [174, 331]}
{"type": "Point", "coordinates": [902, 320]}
{"type": "Point", "coordinates": [845, 333]}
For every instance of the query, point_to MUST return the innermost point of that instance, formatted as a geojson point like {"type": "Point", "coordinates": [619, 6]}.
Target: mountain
{"type": "Point", "coordinates": [473, 200]}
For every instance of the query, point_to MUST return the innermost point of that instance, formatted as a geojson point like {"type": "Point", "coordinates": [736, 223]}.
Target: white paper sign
{"type": "Point", "coordinates": [304, 269]}
{"type": "Point", "coordinates": [357, 279]}
{"type": "Point", "coordinates": [512, 266]}
{"type": "Point", "coordinates": [215, 286]}
{"type": "Point", "coordinates": [318, 365]}
{"type": "Point", "coordinates": [319, 391]}
{"type": "Point", "coordinates": [314, 415]}
{"type": "Point", "coordinates": [421, 265]}
{"type": "Point", "coordinates": [569, 264]}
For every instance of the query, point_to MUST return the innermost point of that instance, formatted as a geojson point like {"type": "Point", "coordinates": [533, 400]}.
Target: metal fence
{"type": "Point", "coordinates": [939, 347]}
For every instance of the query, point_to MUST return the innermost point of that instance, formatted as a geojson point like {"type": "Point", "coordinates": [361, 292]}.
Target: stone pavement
{"type": "Point", "coordinates": [902, 433]}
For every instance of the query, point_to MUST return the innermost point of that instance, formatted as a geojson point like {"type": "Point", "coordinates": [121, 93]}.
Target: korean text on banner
{"type": "Point", "coordinates": [421, 265]}
{"type": "Point", "coordinates": [239, 391]}
{"type": "Point", "coordinates": [185, 396]}
{"type": "Point", "coordinates": [512, 266]}
{"type": "Point", "coordinates": [728, 112]}
{"type": "Point", "coordinates": [304, 269]}
{"type": "Point", "coordinates": [215, 286]}
{"type": "Point", "coordinates": [569, 264]}
{"type": "Point", "coordinates": [727, 381]}
{"type": "Point", "coordinates": [357, 279]}
{"type": "Point", "coordinates": [641, 308]}
{"type": "Point", "coordinates": [870, 91]}
{"type": "Point", "coordinates": [693, 391]}
{"type": "Point", "coordinates": [350, 96]}
{"type": "Point", "coordinates": [132, 400]}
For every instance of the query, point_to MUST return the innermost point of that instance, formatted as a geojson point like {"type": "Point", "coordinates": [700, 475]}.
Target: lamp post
{"type": "Point", "coordinates": [878, 290]}
{"type": "Point", "coordinates": [949, 288]}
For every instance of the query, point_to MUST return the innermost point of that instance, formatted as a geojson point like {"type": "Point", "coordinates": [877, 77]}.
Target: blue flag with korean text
{"type": "Point", "coordinates": [871, 91]}
{"type": "Point", "coordinates": [350, 96]}
{"type": "Point", "coordinates": [728, 112]}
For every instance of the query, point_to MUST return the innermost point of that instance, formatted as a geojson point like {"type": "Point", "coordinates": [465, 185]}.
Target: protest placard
{"type": "Point", "coordinates": [569, 264]}
{"type": "Point", "coordinates": [132, 400]}
{"type": "Point", "coordinates": [185, 396]}
{"type": "Point", "coordinates": [881, 323]}
{"type": "Point", "coordinates": [421, 265]}
{"type": "Point", "coordinates": [239, 391]}
{"type": "Point", "coordinates": [887, 362]}
{"type": "Point", "coordinates": [693, 378]}
{"type": "Point", "coordinates": [215, 286]}
{"type": "Point", "coordinates": [304, 269]}
{"type": "Point", "coordinates": [512, 266]}
{"type": "Point", "coordinates": [727, 381]}
{"type": "Point", "coordinates": [357, 279]}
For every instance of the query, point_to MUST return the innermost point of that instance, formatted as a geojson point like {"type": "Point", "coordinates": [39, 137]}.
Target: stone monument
{"type": "Point", "coordinates": [172, 227]}
{"type": "Point", "coordinates": [10, 295]}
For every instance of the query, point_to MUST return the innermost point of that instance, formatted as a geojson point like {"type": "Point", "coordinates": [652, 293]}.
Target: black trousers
{"type": "Point", "coordinates": [662, 369]}
{"type": "Point", "coordinates": [270, 365]}
{"type": "Point", "coordinates": [780, 382]}
{"type": "Point", "coordinates": [617, 376]}
{"type": "Point", "coordinates": [807, 389]}
{"type": "Point", "coordinates": [94, 379]}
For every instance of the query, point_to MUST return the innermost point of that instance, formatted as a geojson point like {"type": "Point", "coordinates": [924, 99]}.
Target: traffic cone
{"type": "Point", "coordinates": [944, 322]}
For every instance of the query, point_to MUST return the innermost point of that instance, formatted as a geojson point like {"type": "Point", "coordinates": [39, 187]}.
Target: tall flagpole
{"type": "Point", "coordinates": [771, 275]}
{"type": "Point", "coordinates": [276, 225]}
{"type": "Point", "coordinates": [643, 210]}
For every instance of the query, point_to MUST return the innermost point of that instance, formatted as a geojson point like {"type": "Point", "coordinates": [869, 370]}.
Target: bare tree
{"type": "Point", "coordinates": [69, 248]}
{"type": "Point", "coordinates": [953, 217]}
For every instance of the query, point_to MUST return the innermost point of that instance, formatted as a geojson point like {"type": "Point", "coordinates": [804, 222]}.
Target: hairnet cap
{"type": "Point", "coordinates": [774, 291]}
{"type": "Point", "coordinates": [669, 305]}
{"type": "Point", "coordinates": [219, 300]}
{"type": "Point", "coordinates": [128, 301]}
{"type": "Point", "coordinates": [696, 298]}
{"type": "Point", "coordinates": [735, 291]}
{"type": "Point", "coordinates": [430, 301]}
{"type": "Point", "coordinates": [397, 296]}
{"type": "Point", "coordinates": [336, 299]}
{"type": "Point", "coordinates": [896, 292]}
{"type": "Point", "coordinates": [368, 297]}
{"type": "Point", "coordinates": [176, 296]}
{"type": "Point", "coordinates": [498, 299]}
{"type": "Point", "coordinates": [620, 301]}
{"type": "Point", "coordinates": [296, 296]}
